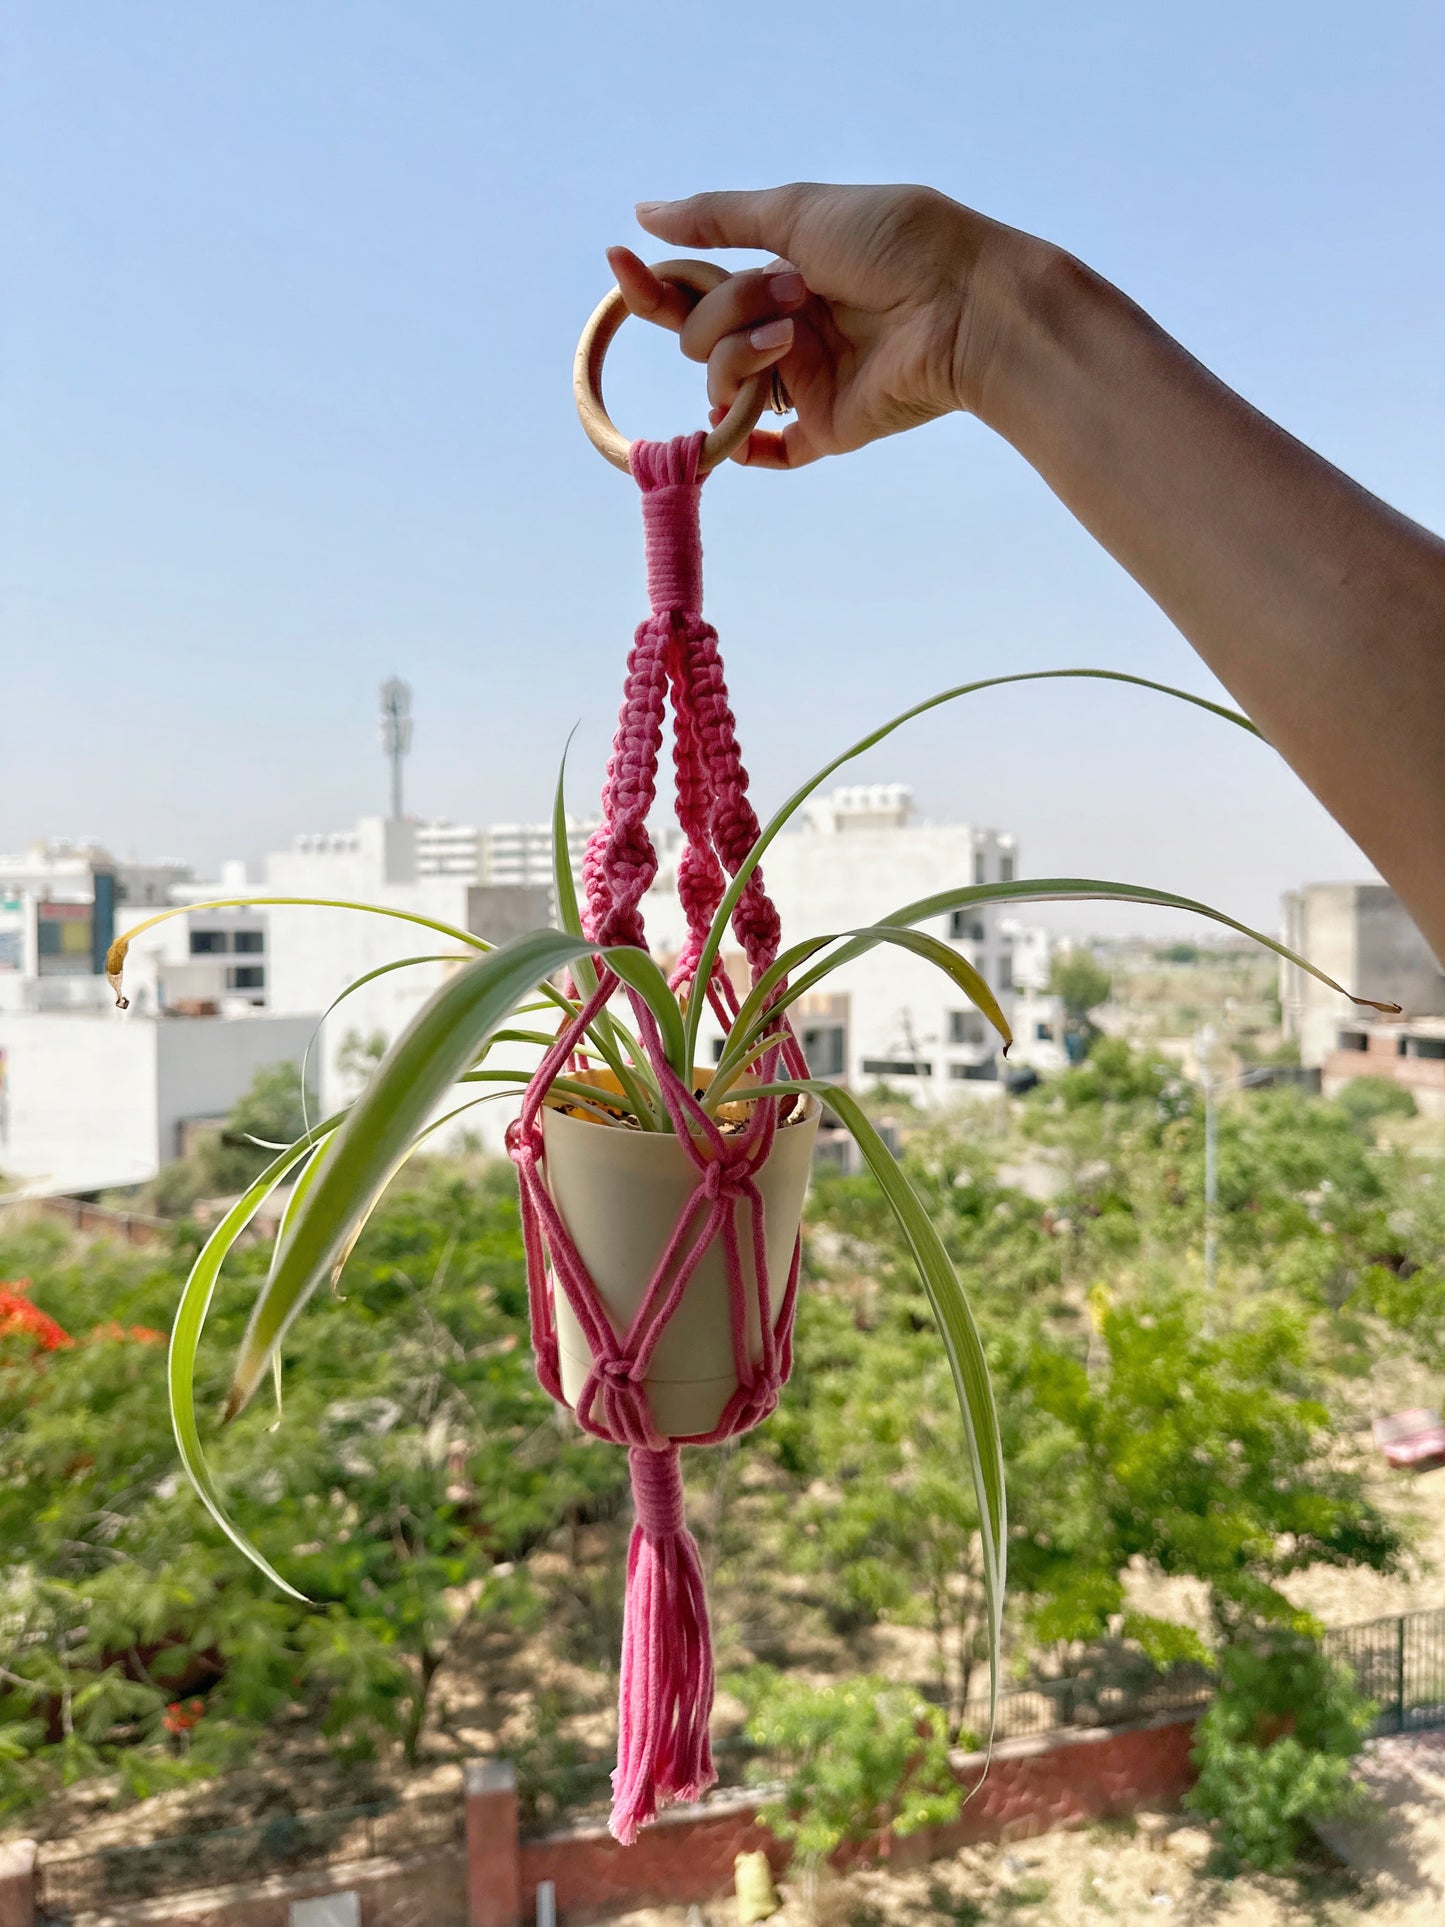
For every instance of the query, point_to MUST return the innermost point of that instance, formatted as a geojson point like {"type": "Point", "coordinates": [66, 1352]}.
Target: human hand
{"type": "Point", "coordinates": [882, 309]}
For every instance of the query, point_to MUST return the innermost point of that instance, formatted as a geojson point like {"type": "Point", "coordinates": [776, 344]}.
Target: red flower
{"type": "Point", "coordinates": [20, 1318]}
{"type": "Point", "coordinates": [138, 1334]}
{"type": "Point", "coordinates": [181, 1715]}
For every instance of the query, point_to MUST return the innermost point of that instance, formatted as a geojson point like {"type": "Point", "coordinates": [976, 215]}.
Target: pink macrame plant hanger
{"type": "Point", "coordinates": [666, 1690]}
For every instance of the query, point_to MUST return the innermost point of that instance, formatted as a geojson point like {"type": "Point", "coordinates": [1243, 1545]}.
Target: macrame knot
{"type": "Point", "coordinates": [667, 474]}
{"type": "Point", "coordinates": [657, 1490]}
{"type": "Point", "coordinates": [727, 1178]}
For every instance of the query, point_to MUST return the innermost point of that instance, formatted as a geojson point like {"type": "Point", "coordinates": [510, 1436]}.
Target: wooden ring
{"type": "Point", "coordinates": [597, 337]}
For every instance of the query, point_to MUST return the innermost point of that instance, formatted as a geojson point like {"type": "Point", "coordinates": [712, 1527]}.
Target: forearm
{"type": "Point", "coordinates": [1321, 609]}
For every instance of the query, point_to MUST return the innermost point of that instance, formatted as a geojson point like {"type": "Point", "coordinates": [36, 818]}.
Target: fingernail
{"type": "Point", "coordinates": [787, 287]}
{"type": "Point", "coordinates": [772, 334]}
{"type": "Point", "coordinates": [645, 208]}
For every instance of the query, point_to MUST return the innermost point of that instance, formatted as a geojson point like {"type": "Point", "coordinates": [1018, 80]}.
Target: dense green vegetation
{"type": "Point", "coordinates": [416, 1466]}
{"type": "Point", "coordinates": [440, 1513]}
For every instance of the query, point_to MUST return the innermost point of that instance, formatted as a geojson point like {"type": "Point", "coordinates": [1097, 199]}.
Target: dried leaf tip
{"type": "Point", "coordinates": [1373, 1003]}
{"type": "Point", "coordinates": [114, 965]}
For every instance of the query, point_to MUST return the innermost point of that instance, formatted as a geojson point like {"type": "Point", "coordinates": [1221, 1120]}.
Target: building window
{"type": "Point", "coordinates": [965, 926]}
{"type": "Point", "coordinates": [1005, 970]}
{"type": "Point", "coordinates": [825, 1049]}
{"type": "Point", "coordinates": [980, 871]}
{"type": "Point", "coordinates": [719, 1045]}
{"type": "Point", "coordinates": [1432, 1047]}
{"type": "Point", "coordinates": [249, 943]}
{"type": "Point", "coordinates": [965, 1027]}
{"type": "Point", "coordinates": [246, 977]}
{"type": "Point", "coordinates": [897, 1067]}
{"type": "Point", "coordinates": [1354, 1040]}
{"type": "Point", "coordinates": [1006, 868]}
{"type": "Point", "coordinates": [209, 943]}
{"type": "Point", "coordinates": [985, 1073]}
{"type": "Point", "coordinates": [1044, 1033]}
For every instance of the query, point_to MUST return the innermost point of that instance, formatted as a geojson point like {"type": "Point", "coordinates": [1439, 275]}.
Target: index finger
{"type": "Point", "coordinates": [648, 298]}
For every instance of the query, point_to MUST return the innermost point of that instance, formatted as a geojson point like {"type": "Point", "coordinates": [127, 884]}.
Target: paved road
{"type": "Point", "coordinates": [1402, 1852]}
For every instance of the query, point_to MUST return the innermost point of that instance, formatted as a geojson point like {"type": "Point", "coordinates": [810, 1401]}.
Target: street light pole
{"type": "Point", "coordinates": [1204, 1050]}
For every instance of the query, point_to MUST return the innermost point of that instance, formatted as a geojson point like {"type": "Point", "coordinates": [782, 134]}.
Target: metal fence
{"type": "Point", "coordinates": [71, 1884]}
{"type": "Point", "coordinates": [1025, 1712]}
{"type": "Point", "coordinates": [1400, 1664]}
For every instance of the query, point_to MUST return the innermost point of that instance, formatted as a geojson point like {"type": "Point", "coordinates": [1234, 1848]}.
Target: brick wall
{"type": "Point", "coordinates": [1031, 1787]}
{"type": "Point", "coordinates": [685, 1855]}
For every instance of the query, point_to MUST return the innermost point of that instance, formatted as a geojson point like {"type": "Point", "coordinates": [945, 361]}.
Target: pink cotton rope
{"type": "Point", "coordinates": [666, 1690]}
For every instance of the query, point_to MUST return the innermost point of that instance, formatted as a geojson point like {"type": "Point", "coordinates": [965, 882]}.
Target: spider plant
{"type": "Point", "coordinates": [443, 1063]}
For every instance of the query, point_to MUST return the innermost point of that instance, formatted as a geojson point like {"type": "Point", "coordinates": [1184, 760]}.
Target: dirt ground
{"type": "Point", "coordinates": [1155, 1870]}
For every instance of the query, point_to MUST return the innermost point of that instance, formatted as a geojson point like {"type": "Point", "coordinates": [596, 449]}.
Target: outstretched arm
{"type": "Point", "coordinates": [1317, 605]}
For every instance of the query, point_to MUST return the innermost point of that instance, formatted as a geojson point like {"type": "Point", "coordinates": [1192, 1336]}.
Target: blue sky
{"type": "Point", "coordinates": [285, 399]}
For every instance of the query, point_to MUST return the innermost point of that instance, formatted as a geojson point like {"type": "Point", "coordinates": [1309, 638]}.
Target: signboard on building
{"type": "Point", "coordinates": [64, 939]}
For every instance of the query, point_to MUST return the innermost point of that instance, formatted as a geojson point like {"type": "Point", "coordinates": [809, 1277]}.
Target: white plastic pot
{"type": "Point", "coordinates": [620, 1193]}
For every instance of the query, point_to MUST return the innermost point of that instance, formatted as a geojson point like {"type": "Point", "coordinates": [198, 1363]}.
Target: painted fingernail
{"type": "Point", "coordinates": [787, 287]}
{"type": "Point", "coordinates": [772, 334]}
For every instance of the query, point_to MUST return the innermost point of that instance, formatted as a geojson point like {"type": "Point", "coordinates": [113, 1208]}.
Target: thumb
{"type": "Point", "coordinates": [763, 218]}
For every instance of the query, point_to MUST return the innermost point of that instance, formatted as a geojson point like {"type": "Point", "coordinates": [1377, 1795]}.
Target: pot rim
{"type": "Point", "coordinates": [559, 1110]}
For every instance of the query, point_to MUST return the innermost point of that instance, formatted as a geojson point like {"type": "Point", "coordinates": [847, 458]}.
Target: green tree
{"type": "Point", "coordinates": [1084, 984]}
{"type": "Point", "coordinates": [226, 1160]}
{"type": "Point", "coordinates": [1216, 1455]}
{"type": "Point", "coordinates": [403, 1511]}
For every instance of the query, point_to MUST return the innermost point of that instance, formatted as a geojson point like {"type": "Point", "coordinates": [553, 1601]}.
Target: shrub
{"type": "Point", "coordinates": [858, 1759]}
{"type": "Point", "coordinates": [1364, 1100]}
{"type": "Point", "coordinates": [1274, 1750]}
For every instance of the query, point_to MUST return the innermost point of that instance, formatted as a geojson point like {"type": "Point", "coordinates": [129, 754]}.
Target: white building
{"type": "Point", "coordinates": [888, 1017]}
{"type": "Point", "coordinates": [93, 1098]}
{"type": "Point", "coordinates": [503, 853]}
{"type": "Point", "coordinates": [1364, 937]}
{"type": "Point", "coordinates": [314, 954]}
{"type": "Point", "coordinates": [201, 962]}
{"type": "Point", "coordinates": [450, 850]}
{"type": "Point", "coordinates": [521, 853]}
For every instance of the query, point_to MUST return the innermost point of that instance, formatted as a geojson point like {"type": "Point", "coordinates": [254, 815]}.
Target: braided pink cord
{"type": "Point", "coordinates": [666, 1687]}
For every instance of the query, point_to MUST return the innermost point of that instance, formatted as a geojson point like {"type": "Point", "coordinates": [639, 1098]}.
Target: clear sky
{"type": "Point", "coordinates": [285, 398]}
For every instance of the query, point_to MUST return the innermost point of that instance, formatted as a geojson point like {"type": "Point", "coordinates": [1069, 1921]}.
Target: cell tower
{"type": "Point", "coordinates": [396, 732]}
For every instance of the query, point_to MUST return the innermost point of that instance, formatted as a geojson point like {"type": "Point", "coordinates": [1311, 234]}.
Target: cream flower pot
{"type": "Point", "coordinates": [620, 1193]}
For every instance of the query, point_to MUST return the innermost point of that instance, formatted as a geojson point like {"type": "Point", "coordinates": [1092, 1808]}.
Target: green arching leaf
{"type": "Point", "coordinates": [780, 819]}
{"type": "Point", "coordinates": [604, 1103]}
{"type": "Point", "coordinates": [569, 916]}
{"type": "Point", "coordinates": [756, 1013]}
{"type": "Point", "coordinates": [196, 1302]}
{"type": "Point", "coordinates": [1070, 889]}
{"type": "Point", "coordinates": [961, 1342]}
{"type": "Point", "coordinates": [636, 969]}
{"type": "Point", "coordinates": [299, 1191]}
{"type": "Point", "coordinates": [186, 1337]}
{"type": "Point", "coordinates": [402, 963]}
{"type": "Point", "coordinates": [116, 955]}
{"type": "Point", "coordinates": [437, 1047]}
{"type": "Point", "coordinates": [544, 1040]}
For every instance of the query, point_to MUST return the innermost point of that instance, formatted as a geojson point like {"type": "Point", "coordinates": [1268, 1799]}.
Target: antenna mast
{"type": "Point", "coordinates": [396, 732]}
